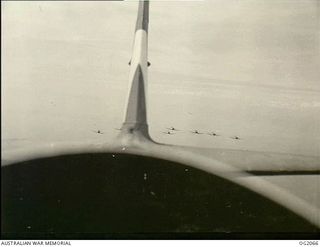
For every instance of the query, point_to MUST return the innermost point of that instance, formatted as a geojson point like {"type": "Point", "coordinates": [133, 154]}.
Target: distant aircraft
{"type": "Point", "coordinates": [98, 131]}
{"type": "Point", "coordinates": [212, 134]}
{"type": "Point", "coordinates": [168, 133]}
{"type": "Point", "coordinates": [235, 138]}
{"type": "Point", "coordinates": [196, 132]}
{"type": "Point", "coordinates": [172, 128]}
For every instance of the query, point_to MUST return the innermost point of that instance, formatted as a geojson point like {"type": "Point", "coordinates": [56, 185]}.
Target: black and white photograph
{"type": "Point", "coordinates": [160, 120]}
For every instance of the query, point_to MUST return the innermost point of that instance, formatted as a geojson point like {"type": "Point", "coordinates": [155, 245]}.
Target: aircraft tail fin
{"type": "Point", "coordinates": [135, 123]}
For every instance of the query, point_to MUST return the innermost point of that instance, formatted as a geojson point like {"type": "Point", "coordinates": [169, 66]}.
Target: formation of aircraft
{"type": "Point", "coordinates": [197, 132]}
{"type": "Point", "coordinates": [173, 130]}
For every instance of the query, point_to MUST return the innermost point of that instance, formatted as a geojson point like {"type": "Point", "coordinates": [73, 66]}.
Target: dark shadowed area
{"type": "Point", "coordinates": [112, 196]}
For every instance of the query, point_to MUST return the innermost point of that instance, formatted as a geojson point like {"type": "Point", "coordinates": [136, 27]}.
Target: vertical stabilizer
{"type": "Point", "coordinates": [135, 123]}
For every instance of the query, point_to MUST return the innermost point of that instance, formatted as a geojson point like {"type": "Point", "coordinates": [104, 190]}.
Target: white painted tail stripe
{"type": "Point", "coordinates": [136, 113]}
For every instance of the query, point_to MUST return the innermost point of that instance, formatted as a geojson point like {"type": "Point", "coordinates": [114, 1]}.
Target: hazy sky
{"type": "Point", "coordinates": [248, 68]}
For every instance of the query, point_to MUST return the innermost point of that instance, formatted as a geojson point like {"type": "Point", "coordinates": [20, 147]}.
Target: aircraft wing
{"type": "Point", "coordinates": [276, 176]}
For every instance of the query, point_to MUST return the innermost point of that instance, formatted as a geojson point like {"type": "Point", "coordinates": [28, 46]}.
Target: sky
{"type": "Point", "coordinates": [248, 68]}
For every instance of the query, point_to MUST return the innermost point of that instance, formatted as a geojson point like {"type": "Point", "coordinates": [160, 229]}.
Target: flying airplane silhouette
{"type": "Point", "coordinates": [173, 128]}
{"type": "Point", "coordinates": [196, 132]}
{"type": "Point", "coordinates": [168, 133]}
{"type": "Point", "coordinates": [235, 138]}
{"type": "Point", "coordinates": [212, 134]}
{"type": "Point", "coordinates": [98, 131]}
